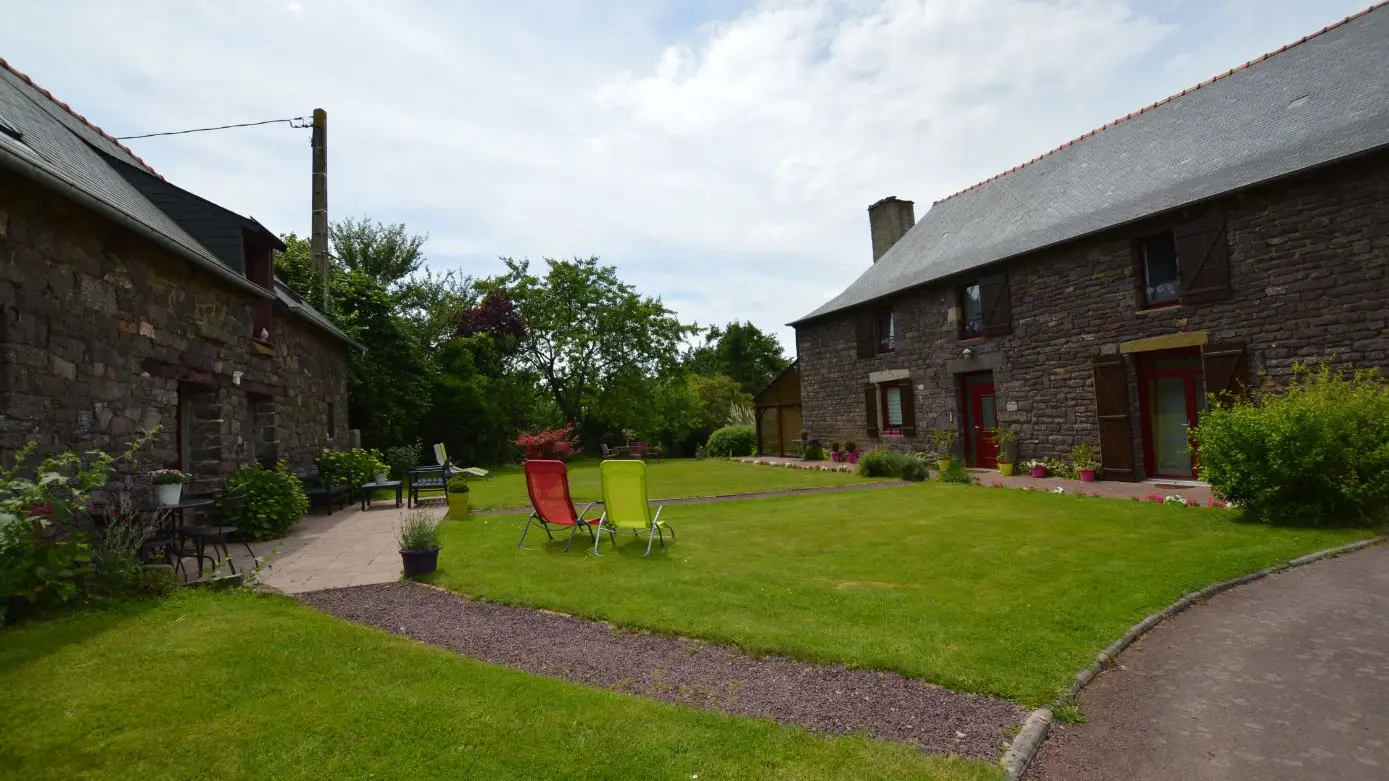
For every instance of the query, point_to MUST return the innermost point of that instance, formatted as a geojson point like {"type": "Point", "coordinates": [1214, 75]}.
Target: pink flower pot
{"type": "Point", "coordinates": [853, 457]}
{"type": "Point", "coordinates": [1087, 475]}
{"type": "Point", "coordinates": [1039, 471]}
{"type": "Point", "coordinates": [834, 454]}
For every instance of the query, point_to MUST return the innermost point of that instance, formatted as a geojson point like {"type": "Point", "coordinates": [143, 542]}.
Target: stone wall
{"type": "Point", "coordinates": [1308, 261]}
{"type": "Point", "coordinates": [106, 333]}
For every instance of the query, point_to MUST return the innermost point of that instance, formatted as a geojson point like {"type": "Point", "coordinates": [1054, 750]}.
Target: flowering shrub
{"type": "Point", "coordinates": [552, 443]}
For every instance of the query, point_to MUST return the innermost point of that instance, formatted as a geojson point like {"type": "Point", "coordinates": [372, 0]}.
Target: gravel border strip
{"type": "Point", "coordinates": [823, 698]}
{"type": "Point", "coordinates": [1034, 732]}
{"type": "Point", "coordinates": [818, 489]}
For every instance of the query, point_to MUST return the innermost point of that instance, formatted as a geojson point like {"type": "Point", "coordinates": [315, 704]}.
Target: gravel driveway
{"type": "Point", "coordinates": [1284, 679]}
{"type": "Point", "coordinates": [824, 698]}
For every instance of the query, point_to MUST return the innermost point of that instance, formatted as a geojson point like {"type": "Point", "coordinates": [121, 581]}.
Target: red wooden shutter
{"type": "Point", "coordinates": [1112, 404]}
{"type": "Point", "coordinates": [1227, 369]}
{"type": "Point", "coordinates": [1204, 259]}
{"type": "Point", "coordinates": [863, 334]}
{"type": "Point", "coordinates": [870, 408]}
{"type": "Point", "coordinates": [994, 300]}
{"type": "Point", "coordinates": [908, 410]}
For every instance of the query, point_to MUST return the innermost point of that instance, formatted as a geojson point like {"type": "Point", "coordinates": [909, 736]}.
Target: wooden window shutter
{"type": "Point", "coordinates": [1204, 259]}
{"type": "Point", "coordinates": [994, 300]}
{"type": "Point", "coordinates": [1112, 404]}
{"type": "Point", "coordinates": [908, 410]}
{"type": "Point", "coordinates": [1227, 369]}
{"type": "Point", "coordinates": [870, 408]}
{"type": "Point", "coordinates": [863, 334]}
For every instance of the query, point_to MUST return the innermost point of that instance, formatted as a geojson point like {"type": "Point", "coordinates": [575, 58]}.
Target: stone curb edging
{"type": "Point", "coordinates": [1034, 731]}
{"type": "Point", "coordinates": [678, 500]}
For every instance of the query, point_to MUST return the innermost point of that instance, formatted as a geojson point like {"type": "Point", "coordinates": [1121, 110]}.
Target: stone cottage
{"type": "Point", "coordinates": [129, 302]}
{"type": "Point", "coordinates": [1098, 293]}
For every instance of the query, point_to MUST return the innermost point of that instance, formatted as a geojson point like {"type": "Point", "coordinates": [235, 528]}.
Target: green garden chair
{"type": "Point", "coordinates": [625, 509]}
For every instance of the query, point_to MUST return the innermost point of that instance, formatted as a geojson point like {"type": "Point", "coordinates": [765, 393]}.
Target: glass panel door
{"type": "Point", "coordinates": [1167, 402]}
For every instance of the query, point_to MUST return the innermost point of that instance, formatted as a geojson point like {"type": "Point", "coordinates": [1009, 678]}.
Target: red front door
{"type": "Point", "coordinates": [1171, 398]}
{"type": "Point", "coordinates": [981, 419]}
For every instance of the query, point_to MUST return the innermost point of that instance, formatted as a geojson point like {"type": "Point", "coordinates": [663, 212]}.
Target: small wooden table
{"type": "Point", "coordinates": [369, 488]}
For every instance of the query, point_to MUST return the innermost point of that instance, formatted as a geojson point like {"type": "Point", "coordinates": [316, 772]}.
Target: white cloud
{"type": "Point", "coordinates": [722, 162]}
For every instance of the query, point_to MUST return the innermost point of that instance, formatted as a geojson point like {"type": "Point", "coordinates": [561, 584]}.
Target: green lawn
{"type": "Point", "coordinates": [240, 686]}
{"type": "Point", "coordinates": [667, 479]}
{"type": "Point", "coordinates": [979, 589]}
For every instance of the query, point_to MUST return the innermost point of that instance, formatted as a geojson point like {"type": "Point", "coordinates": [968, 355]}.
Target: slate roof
{"type": "Point", "coordinates": [1321, 99]}
{"type": "Point", "coordinates": [58, 144]}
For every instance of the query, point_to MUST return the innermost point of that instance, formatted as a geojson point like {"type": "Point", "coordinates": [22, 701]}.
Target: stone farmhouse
{"type": "Point", "coordinates": [1098, 293]}
{"type": "Point", "coordinates": [130, 302]}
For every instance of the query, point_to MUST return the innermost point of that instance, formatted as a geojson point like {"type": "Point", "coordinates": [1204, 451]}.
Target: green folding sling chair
{"type": "Point", "coordinates": [625, 510]}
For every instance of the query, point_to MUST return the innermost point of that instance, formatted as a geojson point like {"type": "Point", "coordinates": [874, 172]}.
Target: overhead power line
{"type": "Point", "coordinates": [295, 122]}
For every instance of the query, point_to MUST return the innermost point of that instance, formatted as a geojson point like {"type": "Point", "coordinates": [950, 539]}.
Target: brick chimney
{"type": "Point", "coordinates": [889, 220]}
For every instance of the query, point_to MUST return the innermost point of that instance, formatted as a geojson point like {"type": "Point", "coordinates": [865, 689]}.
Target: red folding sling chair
{"type": "Point", "coordinates": [548, 484]}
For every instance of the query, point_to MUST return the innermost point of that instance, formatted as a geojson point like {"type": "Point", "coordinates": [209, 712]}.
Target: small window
{"type": "Point", "coordinates": [332, 419]}
{"type": "Point", "coordinates": [972, 311]}
{"type": "Point", "coordinates": [892, 408]}
{"type": "Point", "coordinates": [1160, 275]}
{"type": "Point", "coordinates": [885, 331]}
{"type": "Point", "coordinates": [10, 130]}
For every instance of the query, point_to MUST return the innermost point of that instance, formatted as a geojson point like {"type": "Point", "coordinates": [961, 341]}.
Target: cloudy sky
{"type": "Point", "coordinates": [720, 153]}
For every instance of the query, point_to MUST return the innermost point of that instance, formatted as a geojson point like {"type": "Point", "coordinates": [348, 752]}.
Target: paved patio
{"type": "Point", "coordinates": [351, 547]}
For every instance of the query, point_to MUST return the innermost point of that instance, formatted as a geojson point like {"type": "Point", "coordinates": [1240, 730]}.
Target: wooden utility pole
{"type": "Point", "coordinates": [318, 231]}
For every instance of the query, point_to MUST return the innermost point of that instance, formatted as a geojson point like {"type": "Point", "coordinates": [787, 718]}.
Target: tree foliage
{"type": "Point", "coordinates": [592, 339]}
{"type": "Point", "coordinates": [742, 351]}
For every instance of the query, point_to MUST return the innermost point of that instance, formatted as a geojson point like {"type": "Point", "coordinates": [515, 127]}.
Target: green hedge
{"type": "Point", "coordinates": [733, 441]}
{"type": "Point", "coordinates": [1317, 453]}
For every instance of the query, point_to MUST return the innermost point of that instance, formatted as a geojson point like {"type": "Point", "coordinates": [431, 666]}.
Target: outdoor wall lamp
{"type": "Point", "coordinates": [968, 353]}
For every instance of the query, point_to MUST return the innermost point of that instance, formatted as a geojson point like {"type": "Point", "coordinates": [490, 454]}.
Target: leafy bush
{"type": "Point", "coordinates": [882, 462]}
{"type": "Point", "coordinates": [458, 485]}
{"type": "Point", "coordinates": [418, 532]}
{"type": "Point", "coordinates": [814, 451]}
{"type": "Point", "coordinates": [915, 471]}
{"type": "Point", "coordinates": [955, 473]}
{"type": "Point", "coordinates": [551, 444]}
{"type": "Point", "coordinates": [733, 441]}
{"type": "Point", "coordinates": [275, 500]}
{"type": "Point", "coordinates": [39, 560]}
{"type": "Point", "coordinates": [944, 440]}
{"type": "Point", "coordinates": [851, 446]}
{"type": "Point", "coordinates": [402, 458]}
{"type": "Point", "coordinates": [1315, 454]}
{"type": "Point", "coordinates": [353, 468]}
{"type": "Point", "coordinates": [1083, 458]}
{"type": "Point", "coordinates": [1057, 467]}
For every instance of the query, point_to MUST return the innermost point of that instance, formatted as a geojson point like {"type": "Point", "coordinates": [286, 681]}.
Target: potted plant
{"type": "Point", "coordinates": [458, 497]}
{"type": "Point", "coordinates": [418, 538]}
{"type": "Point", "coordinates": [1037, 467]}
{"type": "Point", "coordinates": [380, 472]}
{"type": "Point", "coordinates": [168, 485]}
{"type": "Point", "coordinates": [834, 452]}
{"type": "Point", "coordinates": [944, 440]}
{"type": "Point", "coordinates": [1003, 440]}
{"type": "Point", "coordinates": [1083, 458]}
{"type": "Point", "coordinates": [851, 451]}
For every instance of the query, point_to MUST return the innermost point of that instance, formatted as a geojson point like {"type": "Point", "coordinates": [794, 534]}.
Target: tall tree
{"type": "Point", "coordinates": [386, 253]}
{"type": "Point", "coordinates": [742, 351]}
{"type": "Point", "coordinates": [592, 339]}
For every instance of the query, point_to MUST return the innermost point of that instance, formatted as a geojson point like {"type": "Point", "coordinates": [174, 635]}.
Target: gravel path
{"type": "Point", "coordinates": [819, 489]}
{"type": "Point", "coordinates": [823, 698]}
{"type": "Point", "coordinates": [1283, 679]}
